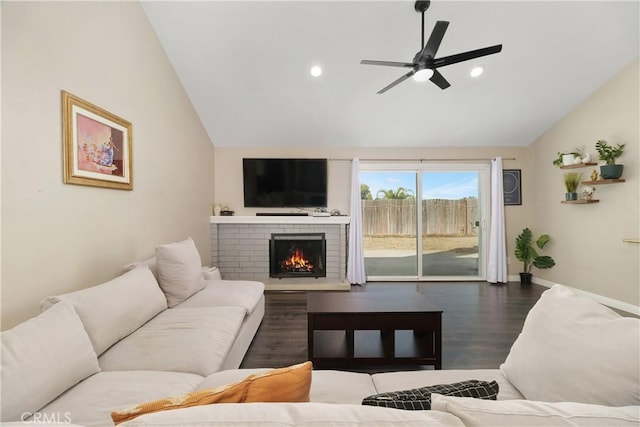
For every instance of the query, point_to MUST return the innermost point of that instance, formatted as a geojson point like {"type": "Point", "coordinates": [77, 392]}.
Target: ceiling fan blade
{"type": "Point", "coordinates": [397, 82]}
{"type": "Point", "coordinates": [434, 41]}
{"type": "Point", "coordinates": [439, 80]}
{"type": "Point", "coordinates": [386, 63]}
{"type": "Point", "coordinates": [465, 56]}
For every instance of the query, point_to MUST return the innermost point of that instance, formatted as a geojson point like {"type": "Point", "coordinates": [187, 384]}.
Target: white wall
{"type": "Point", "coordinates": [228, 172]}
{"type": "Point", "coordinates": [587, 239]}
{"type": "Point", "coordinates": [56, 237]}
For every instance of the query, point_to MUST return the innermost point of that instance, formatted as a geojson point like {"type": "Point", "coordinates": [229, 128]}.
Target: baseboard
{"type": "Point", "coordinates": [609, 302]}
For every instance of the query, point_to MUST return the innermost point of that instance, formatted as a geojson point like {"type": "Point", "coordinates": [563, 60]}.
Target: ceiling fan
{"type": "Point", "coordinates": [425, 63]}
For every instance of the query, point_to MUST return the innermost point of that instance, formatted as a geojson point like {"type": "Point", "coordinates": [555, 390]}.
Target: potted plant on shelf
{"type": "Point", "coordinates": [526, 253]}
{"type": "Point", "coordinates": [609, 154]}
{"type": "Point", "coordinates": [568, 158]}
{"type": "Point", "coordinates": [571, 183]}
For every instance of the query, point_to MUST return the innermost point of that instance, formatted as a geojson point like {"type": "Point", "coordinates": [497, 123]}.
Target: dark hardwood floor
{"type": "Point", "coordinates": [480, 322]}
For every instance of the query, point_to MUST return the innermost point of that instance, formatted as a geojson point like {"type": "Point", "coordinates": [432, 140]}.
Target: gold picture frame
{"type": "Point", "coordinates": [97, 145]}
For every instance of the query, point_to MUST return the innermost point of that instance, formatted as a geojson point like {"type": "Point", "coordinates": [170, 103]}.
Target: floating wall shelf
{"type": "Point", "coordinates": [580, 202]}
{"type": "Point", "coordinates": [579, 165]}
{"type": "Point", "coordinates": [603, 181]}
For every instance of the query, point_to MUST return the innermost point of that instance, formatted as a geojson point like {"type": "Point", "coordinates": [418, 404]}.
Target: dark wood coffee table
{"type": "Point", "coordinates": [361, 329]}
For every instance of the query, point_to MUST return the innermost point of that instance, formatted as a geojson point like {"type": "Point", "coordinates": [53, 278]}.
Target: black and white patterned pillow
{"type": "Point", "coordinates": [420, 398]}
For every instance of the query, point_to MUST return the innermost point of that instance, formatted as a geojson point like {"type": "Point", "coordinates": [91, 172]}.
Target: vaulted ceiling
{"type": "Point", "coordinates": [245, 66]}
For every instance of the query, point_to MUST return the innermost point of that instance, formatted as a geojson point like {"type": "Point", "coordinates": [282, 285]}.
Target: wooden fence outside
{"type": "Point", "coordinates": [441, 217]}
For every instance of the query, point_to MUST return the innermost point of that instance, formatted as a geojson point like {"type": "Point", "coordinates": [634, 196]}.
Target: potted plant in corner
{"type": "Point", "coordinates": [571, 183]}
{"type": "Point", "coordinates": [609, 154]}
{"type": "Point", "coordinates": [526, 253]}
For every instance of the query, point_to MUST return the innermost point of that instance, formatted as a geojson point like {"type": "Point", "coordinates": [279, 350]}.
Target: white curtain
{"type": "Point", "coordinates": [355, 266]}
{"type": "Point", "coordinates": [497, 260]}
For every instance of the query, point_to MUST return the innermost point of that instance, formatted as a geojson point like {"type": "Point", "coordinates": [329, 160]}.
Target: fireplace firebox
{"type": "Point", "coordinates": [297, 255]}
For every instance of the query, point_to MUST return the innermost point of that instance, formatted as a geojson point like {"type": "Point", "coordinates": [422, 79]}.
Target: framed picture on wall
{"type": "Point", "coordinates": [512, 186]}
{"type": "Point", "coordinates": [96, 145]}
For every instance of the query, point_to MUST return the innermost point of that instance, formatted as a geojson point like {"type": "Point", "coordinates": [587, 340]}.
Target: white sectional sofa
{"type": "Point", "coordinates": [158, 329]}
{"type": "Point", "coordinates": [117, 345]}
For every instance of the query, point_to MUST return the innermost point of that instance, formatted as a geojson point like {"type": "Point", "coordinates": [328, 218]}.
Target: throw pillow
{"type": "Point", "coordinates": [149, 262]}
{"type": "Point", "coordinates": [179, 270]}
{"type": "Point", "coordinates": [290, 384]}
{"type": "Point", "coordinates": [41, 358]}
{"type": "Point", "coordinates": [112, 310]}
{"type": "Point", "coordinates": [572, 349]}
{"type": "Point", "coordinates": [418, 399]}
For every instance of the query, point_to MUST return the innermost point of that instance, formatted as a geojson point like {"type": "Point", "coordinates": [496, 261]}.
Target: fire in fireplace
{"type": "Point", "coordinates": [296, 255]}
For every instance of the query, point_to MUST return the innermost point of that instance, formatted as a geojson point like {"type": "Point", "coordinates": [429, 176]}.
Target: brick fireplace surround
{"type": "Point", "coordinates": [240, 249]}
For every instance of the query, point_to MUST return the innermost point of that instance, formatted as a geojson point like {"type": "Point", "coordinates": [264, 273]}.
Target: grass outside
{"type": "Point", "coordinates": [459, 244]}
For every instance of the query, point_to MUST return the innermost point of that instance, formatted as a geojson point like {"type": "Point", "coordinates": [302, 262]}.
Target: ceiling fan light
{"type": "Point", "coordinates": [423, 75]}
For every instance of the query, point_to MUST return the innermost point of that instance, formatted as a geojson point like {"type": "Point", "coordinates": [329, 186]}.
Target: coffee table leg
{"type": "Point", "coordinates": [350, 343]}
{"type": "Point", "coordinates": [388, 338]}
{"type": "Point", "coordinates": [310, 329]}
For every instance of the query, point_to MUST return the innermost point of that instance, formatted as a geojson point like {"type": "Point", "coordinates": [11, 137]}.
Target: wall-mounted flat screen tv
{"type": "Point", "coordinates": [285, 183]}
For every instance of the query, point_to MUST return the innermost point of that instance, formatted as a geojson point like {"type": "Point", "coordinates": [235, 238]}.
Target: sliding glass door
{"type": "Point", "coordinates": [424, 222]}
{"type": "Point", "coordinates": [450, 224]}
{"type": "Point", "coordinates": [389, 220]}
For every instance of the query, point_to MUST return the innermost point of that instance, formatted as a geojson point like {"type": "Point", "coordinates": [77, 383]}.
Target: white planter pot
{"type": "Point", "coordinates": [568, 159]}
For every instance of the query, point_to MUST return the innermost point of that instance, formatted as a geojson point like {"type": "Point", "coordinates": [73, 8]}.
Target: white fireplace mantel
{"type": "Point", "coordinates": [281, 219]}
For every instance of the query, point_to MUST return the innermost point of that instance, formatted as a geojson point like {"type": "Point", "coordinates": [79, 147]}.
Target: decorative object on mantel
{"type": "Point", "coordinates": [587, 192]}
{"type": "Point", "coordinates": [526, 253]}
{"type": "Point", "coordinates": [217, 209]}
{"type": "Point", "coordinates": [571, 183]}
{"type": "Point", "coordinates": [96, 145]}
{"type": "Point", "coordinates": [609, 154]}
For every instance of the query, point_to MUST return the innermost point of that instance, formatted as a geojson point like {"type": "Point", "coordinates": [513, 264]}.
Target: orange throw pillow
{"type": "Point", "coordinates": [290, 384]}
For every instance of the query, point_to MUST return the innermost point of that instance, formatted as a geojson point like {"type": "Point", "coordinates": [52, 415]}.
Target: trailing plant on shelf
{"type": "Point", "coordinates": [575, 155]}
{"type": "Point", "coordinates": [609, 154]}
{"type": "Point", "coordinates": [527, 254]}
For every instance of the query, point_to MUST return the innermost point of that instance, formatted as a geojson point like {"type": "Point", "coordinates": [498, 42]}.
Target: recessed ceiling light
{"type": "Point", "coordinates": [476, 71]}
{"type": "Point", "coordinates": [316, 71]}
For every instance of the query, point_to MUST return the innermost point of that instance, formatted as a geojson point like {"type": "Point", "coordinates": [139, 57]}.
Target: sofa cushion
{"type": "Point", "coordinates": [575, 350]}
{"type": "Point", "coordinates": [196, 340]}
{"type": "Point", "coordinates": [419, 399]}
{"type": "Point", "coordinates": [112, 310]}
{"type": "Point", "coordinates": [42, 358]}
{"type": "Point", "coordinates": [294, 414]}
{"type": "Point", "coordinates": [150, 263]}
{"type": "Point", "coordinates": [474, 412]}
{"type": "Point", "coordinates": [90, 403]}
{"type": "Point", "coordinates": [391, 381]}
{"type": "Point", "coordinates": [353, 386]}
{"type": "Point", "coordinates": [179, 270]}
{"type": "Point", "coordinates": [246, 294]}
{"type": "Point", "coordinates": [290, 384]}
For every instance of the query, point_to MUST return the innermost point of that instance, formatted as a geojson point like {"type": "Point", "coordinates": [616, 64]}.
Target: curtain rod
{"type": "Point", "coordinates": [424, 160]}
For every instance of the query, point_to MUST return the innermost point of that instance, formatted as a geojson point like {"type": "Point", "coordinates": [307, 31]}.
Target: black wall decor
{"type": "Point", "coordinates": [512, 186]}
